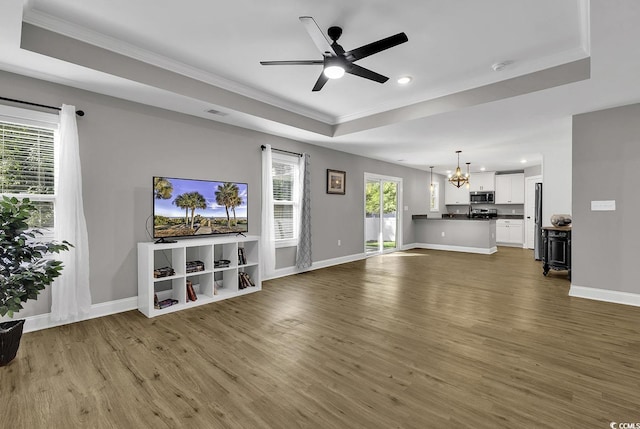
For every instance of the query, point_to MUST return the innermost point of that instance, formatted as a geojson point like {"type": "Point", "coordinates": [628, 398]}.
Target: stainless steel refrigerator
{"type": "Point", "coordinates": [537, 243]}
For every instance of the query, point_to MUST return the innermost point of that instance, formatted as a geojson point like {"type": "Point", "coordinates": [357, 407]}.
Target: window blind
{"type": "Point", "coordinates": [284, 176]}
{"type": "Point", "coordinates": [27, 168]}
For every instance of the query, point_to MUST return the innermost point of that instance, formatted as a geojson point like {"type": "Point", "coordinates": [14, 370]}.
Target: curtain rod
{"type": "Point", "coordinates": [78, 112]}
{"type": "Point", "coordinates": [263, 147]}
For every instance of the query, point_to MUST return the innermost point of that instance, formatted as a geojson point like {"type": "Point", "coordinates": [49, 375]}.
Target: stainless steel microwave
{"type": "Point", "coordinates": [481, 197]}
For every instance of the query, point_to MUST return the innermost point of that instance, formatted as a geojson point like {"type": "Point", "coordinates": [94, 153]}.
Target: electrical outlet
{"type": "Point", "coordinates": [443, 233]}
{"type": "Point", "coordinates": [339, 243]}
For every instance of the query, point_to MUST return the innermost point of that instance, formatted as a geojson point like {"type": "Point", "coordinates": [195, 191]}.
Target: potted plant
{"type": "Point", "coordinates": [26, 268]}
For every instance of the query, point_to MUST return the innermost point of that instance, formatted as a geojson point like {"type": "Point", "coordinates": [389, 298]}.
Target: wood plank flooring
{"type": "Point", "coordinates": [415, 339]}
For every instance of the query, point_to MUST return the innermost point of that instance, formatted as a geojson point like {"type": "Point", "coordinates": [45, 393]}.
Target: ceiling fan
{"type": "Point", "coordinates": [336, 61]}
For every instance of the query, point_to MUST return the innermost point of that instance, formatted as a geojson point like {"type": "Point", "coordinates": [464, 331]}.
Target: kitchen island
{"type": "Point", "coordinates": [459, 234]}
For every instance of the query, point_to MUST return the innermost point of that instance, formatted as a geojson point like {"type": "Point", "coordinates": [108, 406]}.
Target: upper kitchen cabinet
{"type": "Point", "coordinates": [510, 188]}
{"type": "Point", "coordinates": [483, 182]}
{"type": "Point", "coordinates": [453, 195]}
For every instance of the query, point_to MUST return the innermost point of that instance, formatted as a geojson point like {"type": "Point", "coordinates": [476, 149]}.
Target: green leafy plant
{"type": "Point", "coordinates": [26, 267]}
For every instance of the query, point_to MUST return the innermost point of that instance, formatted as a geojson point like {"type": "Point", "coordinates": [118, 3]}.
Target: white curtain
{"type": "Point", "coordinates": [303, 255]}
{"type": "Point", "coordinates": [267, 243]}
{"type": "Point", "coordinates": [71, 296]}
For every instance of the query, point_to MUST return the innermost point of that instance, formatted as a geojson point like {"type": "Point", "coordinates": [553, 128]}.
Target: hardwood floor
{"type": "Point", "coordinates": [415, 339]}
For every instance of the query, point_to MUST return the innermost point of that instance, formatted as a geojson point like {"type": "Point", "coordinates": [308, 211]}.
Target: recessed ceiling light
{"type": "Point", "coordinates": [449, 171]}
{"type": "Point", "coordinates": [403, 80]}
{"type": "Point", "coordinates": [523, 161]}
{"type": "Point", "coordinates": [482, 168]}
{"type": "Point", "coordinates": [401, 160]}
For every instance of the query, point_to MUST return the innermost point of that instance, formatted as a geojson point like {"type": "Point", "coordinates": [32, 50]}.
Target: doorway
{"type": "Point", "coordinates": [382, 200]}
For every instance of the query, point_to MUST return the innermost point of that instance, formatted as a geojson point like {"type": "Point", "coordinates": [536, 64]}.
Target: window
{"type": "Point", "coordinates": [27, 162]}
{"type": "Point", "coordinates": [434, 197]}
{"type": "Point", "coordinates": [285, 192]}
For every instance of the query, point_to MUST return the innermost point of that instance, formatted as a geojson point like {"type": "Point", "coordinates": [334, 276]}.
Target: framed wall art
{"type": "Point", "coordinates": [336, 182]}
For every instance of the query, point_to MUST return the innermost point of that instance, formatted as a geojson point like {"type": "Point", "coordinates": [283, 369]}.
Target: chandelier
{"type": "Point", "coordinates": [457, 179]}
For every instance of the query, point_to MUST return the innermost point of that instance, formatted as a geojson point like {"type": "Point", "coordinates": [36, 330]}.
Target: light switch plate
{"type": "Point", "coordinates": [603, 206]}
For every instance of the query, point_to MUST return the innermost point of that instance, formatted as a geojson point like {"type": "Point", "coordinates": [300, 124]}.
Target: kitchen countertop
{"type": "Point", "coordinates": [458, 216]}
{"type": "Point", "coordinates": [558, 228]}
{"type": "Point", "coordinates": [460, 219]}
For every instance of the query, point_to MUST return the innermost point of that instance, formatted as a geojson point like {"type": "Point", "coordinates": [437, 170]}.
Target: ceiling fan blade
{"type": "Point", "coordinates": [366, 73]}
{"type": "Point", "coordinates": [375, 47]}
{"type": "Point", "coordinates": [316, 34]}
{"type": "Point", "coordinates": [292, 63]}
{"type": "Point", "coordinates": [320, 82]}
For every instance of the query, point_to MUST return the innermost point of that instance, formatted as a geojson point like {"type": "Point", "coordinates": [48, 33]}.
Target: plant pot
{"type": "Point", "coordinates": [10, 334]}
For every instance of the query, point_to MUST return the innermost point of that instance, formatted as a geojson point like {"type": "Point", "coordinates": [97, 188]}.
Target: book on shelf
{"type": "Point", "coordinates": [222, 263]}
{"type": "Point", "coordinates": [242, 257]}
{"type": "Point", "coordinates": [191, 293]}
{"type": "Point", "coordinates": [244, 280]}
{"type": "Point", "coordinates": [163, 272]}
{"type": "Point", "coordinates": [166, 303]}
{"type": "Point", "coordinates": [251, 283]}
{"type": "Point", "coordinates": [194, 266]}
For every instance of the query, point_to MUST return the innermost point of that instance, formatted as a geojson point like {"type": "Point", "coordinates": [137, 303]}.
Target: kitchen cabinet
{"type": "Point", "coordinates": [556, 245]}
{"type": "Point", "coordinates": [483, 182]}
{"type": "Point", "coordinates": [453, 195]}
{"type": "Point", "coordinates": [510, 188]}
{"type": "Point", "coordinates": [509, 231]}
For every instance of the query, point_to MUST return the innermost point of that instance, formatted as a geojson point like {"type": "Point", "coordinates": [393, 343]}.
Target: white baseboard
{"type": "Point", "coordinates": [614, 296]}
{"type": "Point", "coordinates": [481, 250]}
{"type": "Point", "coordinates": [43, 321]}
{"type": "Point", "coordinates": [283, 272]}
{"type": "Point", "coordinates": [518, 245]}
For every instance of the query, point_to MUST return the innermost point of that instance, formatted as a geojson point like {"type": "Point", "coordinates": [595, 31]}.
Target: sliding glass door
{"type": "Point", "coordinates": [381, 218]}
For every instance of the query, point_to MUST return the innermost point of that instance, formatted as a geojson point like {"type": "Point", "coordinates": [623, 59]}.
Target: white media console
{"type": "Point", "coordinates": [210, 283]}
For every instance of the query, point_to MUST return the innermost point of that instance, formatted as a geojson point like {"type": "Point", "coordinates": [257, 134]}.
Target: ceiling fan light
{"type": "Point", "coordinates": [334, 72]}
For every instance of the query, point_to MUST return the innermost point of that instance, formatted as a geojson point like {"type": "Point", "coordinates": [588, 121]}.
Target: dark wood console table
{"type": "Point", "coordinates": [556, 245]}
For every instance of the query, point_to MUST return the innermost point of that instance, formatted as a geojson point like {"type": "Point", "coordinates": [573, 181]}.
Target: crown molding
{"type": "Point", "coordinates": [65, 28]}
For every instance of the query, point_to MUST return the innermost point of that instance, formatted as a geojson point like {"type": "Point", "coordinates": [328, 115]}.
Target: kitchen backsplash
{"type": "Point", "coordinates": [503, 209]}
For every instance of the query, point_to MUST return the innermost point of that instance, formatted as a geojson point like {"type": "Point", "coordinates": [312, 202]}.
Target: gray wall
{"type": "Point", "coordinates": [605, 244]}
{"type": "Point", "coordinates": [124, 144]}
{"type": "Point", "coordinates": [341, 217]}
{"type": "Point", "coordinates": [535, 170]}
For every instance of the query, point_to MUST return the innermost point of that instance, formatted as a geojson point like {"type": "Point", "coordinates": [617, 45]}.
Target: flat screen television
{"type": "Point", "coordinates": [196, 208]}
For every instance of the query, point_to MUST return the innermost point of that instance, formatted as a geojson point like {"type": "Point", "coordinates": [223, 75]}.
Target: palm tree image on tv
{"type": "Point", "coordinates": [190, 201]}
{"type": "Point", "coordinates": [227, 196]}
{"type": "Point", "coordinates": [162, 188]}
{"type": "Point", "coordinates": [184, 207]}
